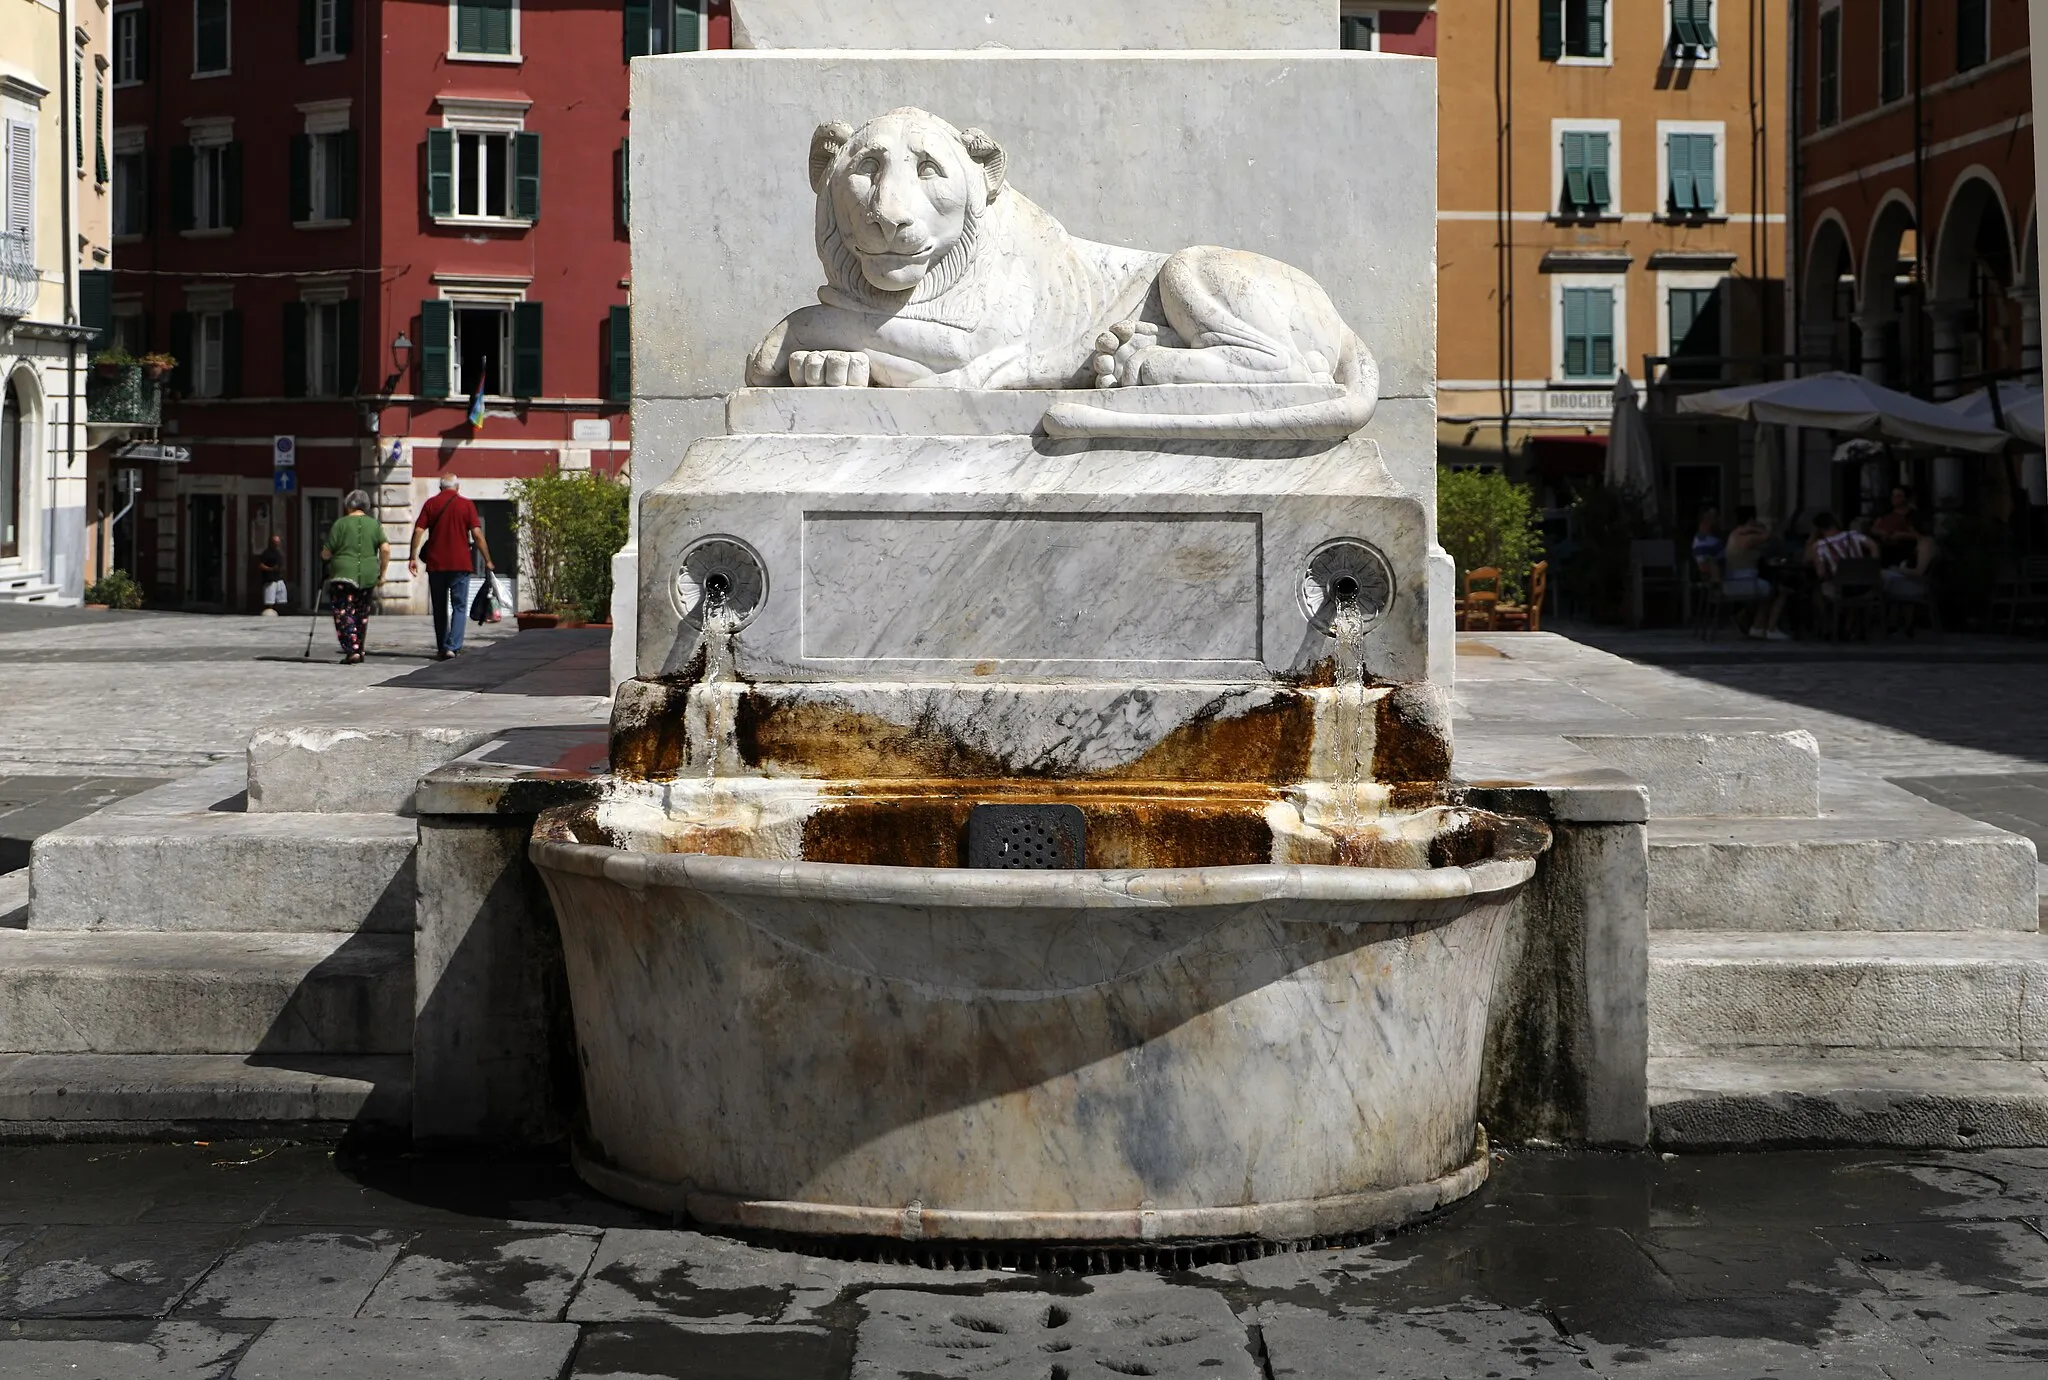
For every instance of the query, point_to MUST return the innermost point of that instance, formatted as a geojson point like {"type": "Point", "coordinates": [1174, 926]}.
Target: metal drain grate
{"type": "Point", "coordinates": [1036, 837]}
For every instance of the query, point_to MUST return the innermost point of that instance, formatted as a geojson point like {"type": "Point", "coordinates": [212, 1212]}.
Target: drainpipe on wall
{"type": "Point", "coordinates": [2038, 10]}
{"type": "Point", "coordinates": [1795, 201]}
{"type": "Point", "coordinates": [1920, 179]}
{"type": "Point", "coordinates": [67, 73]}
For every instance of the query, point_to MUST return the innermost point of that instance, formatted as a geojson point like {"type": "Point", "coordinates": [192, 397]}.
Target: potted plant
{"type": "Point", "coordinates": [157, 364]}
{"type": "Point", "coordinates": [572, 524]}
{"type": "Point", "coordinates": [108, 363]}
{"type": "Point", "coordinates": [116, 589]}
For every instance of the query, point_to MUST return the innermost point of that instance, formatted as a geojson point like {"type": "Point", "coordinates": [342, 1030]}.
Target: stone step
{"type": "Point", "coordinates": [1974, 994]}
{"type": "Point", "coordinates": [1911, 1102]}
{"type": "Point", "coordinates": [1915, 869]}
{"type": "Point", "coordinates": [350, 770]}
{"type": "Point", "coordinates": [1728, 769]}
{"type": "Point", "coordinates": [235, 993]}
{"type": "Point", "coordinates": [77, 1096]}
{"type": "Point", "coordinates": [214, 870]}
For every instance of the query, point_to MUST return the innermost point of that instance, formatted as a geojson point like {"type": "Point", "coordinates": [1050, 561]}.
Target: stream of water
{"type": "Point", "coordinates": [712, 703]}
{"type": "Point", "coordinates": [1353, 723]}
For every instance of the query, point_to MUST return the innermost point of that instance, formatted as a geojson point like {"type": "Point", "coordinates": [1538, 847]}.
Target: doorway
{"type": "Point", "coordinates": [322, 511]}
{"type": "Point", "coordinates": [501, 532]}
{"type": "Point", "coordinates": [206, 546]}
{"type": "Point", "coordinates": [13, 451]}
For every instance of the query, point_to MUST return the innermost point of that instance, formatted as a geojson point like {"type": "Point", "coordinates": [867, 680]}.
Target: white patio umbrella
{"type": "Point", "coordinates": [1850, 403]}
{"type": "Point", "coordinates": [1628, 447]}
{"type": "Point", "coordinates": [2020, 403]}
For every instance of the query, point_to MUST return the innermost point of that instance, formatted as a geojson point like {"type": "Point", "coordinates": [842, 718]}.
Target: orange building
{"type": "Point", "coordinates": [1611, 193]}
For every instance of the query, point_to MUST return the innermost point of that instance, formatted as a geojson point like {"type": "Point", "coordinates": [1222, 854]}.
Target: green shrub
{"type": "Point", "coordinates": [116, 589]}
{"type": "Point", "coordinates": [1485, 519]}
{"type": "Point", "coordinates": [573, 523]}
{"type": "Point", "coordinates": [1604, 522]}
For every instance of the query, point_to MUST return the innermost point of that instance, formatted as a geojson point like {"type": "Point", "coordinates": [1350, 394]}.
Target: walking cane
{"type": "Point", "coordinates": [314, 625]}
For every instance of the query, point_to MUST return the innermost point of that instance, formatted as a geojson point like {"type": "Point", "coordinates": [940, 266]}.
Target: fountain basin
{"type": "Point", "coordinates": [1273, 1049]}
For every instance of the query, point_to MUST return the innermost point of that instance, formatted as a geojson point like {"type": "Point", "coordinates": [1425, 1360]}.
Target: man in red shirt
{"type": "Point", "coordinates": [448, 526]}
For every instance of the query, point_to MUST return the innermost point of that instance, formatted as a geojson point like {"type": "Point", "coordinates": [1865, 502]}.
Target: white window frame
{"type": "Point", "coordinates": [703, 31]}
{"type": "Point", "coordinates": [128, 57]}
{"type": "Point", "coordinates": [517, 55]}
{"type": "Point", "coordinates": [462, 116]}
{"type": "Point", "coordinates": [1606, 58]}
{"type": "Point", "coordinates": [1827, 7]}
{"type": "Point", "coordinates": [228, 36]}
{"type": "Point", "coordinates": [131, 141]}
{"type": "Point", "coordinates": [1905, 53]}
{"type": "Point", "coordinates": [127, 311]}
{"type": "Point", "coordinates": [1673, 58]}
{"type": "Point", "coordinates": [18, 134]}
{"type": "Point", "coordinates": [1666, 128]}
{"type": "Point", "coordinates": [329, 11]}
{"type": "Point", "coordinates": [1372, 12]}
{"type": "Point", "coordinates": [209, 362]}
{"type": "Point", "coordinates": [464, 293]}
{"type": "Point", "coordinates": [208, 138]}
{"type": "Point", "coordinates": [1615, 282]}
{"type": "Point", "coordinates": [1610, 128]}
{"type": "Point", "coordinates": [323, 364]}
{"type": "Point", "coordinates": [1667, 279]}
{"type": "Point", "coordinates": [324, 119]}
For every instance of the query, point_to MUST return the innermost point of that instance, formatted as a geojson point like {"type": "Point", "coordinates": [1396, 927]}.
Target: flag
{"type": "Point", "coordinates": [476, 399]}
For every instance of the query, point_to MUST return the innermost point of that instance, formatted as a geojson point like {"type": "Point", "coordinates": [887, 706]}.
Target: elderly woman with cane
{"type": "Point", "coordinates": [356, 554]}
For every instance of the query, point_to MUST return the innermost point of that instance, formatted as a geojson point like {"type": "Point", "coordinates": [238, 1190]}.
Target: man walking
{"type": "Point", "coordinates": [448, 526]}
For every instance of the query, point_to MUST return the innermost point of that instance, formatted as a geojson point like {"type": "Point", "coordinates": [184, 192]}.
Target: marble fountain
{"type": "Point", "coordinates": [1031, 822]}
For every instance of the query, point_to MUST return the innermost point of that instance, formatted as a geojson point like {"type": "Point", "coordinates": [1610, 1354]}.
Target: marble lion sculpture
{"type": "Point", "coordinates": [939, 274]}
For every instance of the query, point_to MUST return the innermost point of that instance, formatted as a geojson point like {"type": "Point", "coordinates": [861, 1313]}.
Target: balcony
{"type": "Point", "coordinates": [126, 399]}
{"type": "Point", "coordinates": [20, 279]}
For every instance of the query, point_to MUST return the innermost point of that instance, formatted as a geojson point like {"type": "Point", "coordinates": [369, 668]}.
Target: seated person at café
{"type": "Point", "coordinates": [1707, 545]}
{"type": "Point", "coordinates": [1831, 544]}
{"type": "Point", "coordinates": [1897, 530]}
{"type": "Point", "coordinates": [1742, 582]}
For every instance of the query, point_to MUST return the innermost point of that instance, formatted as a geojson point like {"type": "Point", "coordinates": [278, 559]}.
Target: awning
{"type": "Point", "coordinates": [1848, 403]}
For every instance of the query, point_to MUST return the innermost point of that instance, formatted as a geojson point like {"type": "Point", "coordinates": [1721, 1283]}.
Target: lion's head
{"type": "Point", "coordinates": [899, 201]}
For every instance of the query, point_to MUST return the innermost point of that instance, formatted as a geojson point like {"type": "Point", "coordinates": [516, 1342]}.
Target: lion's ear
{"type": "Point", "coordinates": [826, 142]}
{"type": "Point", "coordinates": [990, 155]}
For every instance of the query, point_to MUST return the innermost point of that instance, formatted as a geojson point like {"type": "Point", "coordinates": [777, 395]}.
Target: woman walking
{"type": "Point", "coordinates": [356, 554]}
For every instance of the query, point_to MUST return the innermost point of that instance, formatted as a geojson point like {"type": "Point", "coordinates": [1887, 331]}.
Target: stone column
{"type": "Point", "coordinates": [1872, 324]}
{"type": "Point", "coordinates": [2029, 298]}
{"type": "Point", "coordinates": [1945, 333]}
{"type": "Point", "coordinates": [387, 475]}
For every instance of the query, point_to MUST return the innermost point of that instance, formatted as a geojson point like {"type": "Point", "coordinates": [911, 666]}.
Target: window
{"type": "Point", "coordinates": [1585, 188]}
{"type": "Point", "coordinates": [1359, 33]}
{"type": "Point", "coordinates": [131, 46]}
{"type": "Point", "coordinates": [322, 341]}
{"type": "Point", "coordinates": [1693, 331]}
{"type": "Point", "coordinates": [1692, 29]}
{"type": "Point", "coordinates": [1973, 34]}
{"type": "Point", "coordinates": [96, 306]}
{"type": "Point", "coordinates": [102, 171]}
{"type": "Point", "coordinates": [482, 174]}
{"type": "Point", "coordinates": [210, 46]}
{"type": "Point", "coordinates": [1829, 86]}
{"type": "Point", "coordinates": [1691, 176]}
{"type": "Point", "coordinates": [324, 27]}
{"type": "Point", "coordinates": [484, 28]}
{"type": "Point", "coordinates": [620, 344]}
{"type": "Point", "coordinates": [663, 26]}
{"type": "Point", "coordinates": [206, 186]}
{"type": "Point", "coordinates": [495, 344]}
{"type": "Point", "coordinates": [131, 192]}
{"type": "Point", "coordinates": [208, 345]}
{"type": "Point", "coordinates": [1891, 50]}
{"type": "Point", "coordinates": [131, 328]}
{"type": "Point", "coordinates": [1569, 29]}
{"type": "Point", "coordinates": [323, 187]}
{"type": "Point", "coordinates": [20, 220]}
{"type": "Point", "coordinates": [1588, 333]}
{"type": "Point", "coordinates": [625, 184]}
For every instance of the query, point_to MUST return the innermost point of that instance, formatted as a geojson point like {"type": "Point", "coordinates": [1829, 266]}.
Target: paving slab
{"type": "Point", "coordinates": [391, 1349]}
{"type": "Point", "coordinates": [1304, 1344]}
{"type": "Point", "coordinates": [671, 1351]}
{"type": "Point", "coordinates": [37, 1350]}
{"type": "Point", "coordinates": [1973, 1335]}
{"type": "Point", "coordinates": [285, 1272]}
{"type": "Point", "coordinates": [1931, 1260]}
{"type": "Point", "coordinates": [444, 1273]}
{"type": "Point", "coordinates": [1706, 1103]}
{"type": "Point", "coordinates": [108, 1272]}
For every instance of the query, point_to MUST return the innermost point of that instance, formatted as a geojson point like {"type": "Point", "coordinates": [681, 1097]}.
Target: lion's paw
{"type": "Point", "coordinates": [828, 368]}
{"type": "Point", "coordinates": [1120, 354]}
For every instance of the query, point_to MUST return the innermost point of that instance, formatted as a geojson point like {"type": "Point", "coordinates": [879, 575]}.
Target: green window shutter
{"type": "Point", "coordinates": [1678, 165]}
{"type": "Point", "coordinates": [231, 184]}
{"type": "Point", "coordinates": [140, 20]}
{"type": "Point", "coordinates": [526, 343]}
{"type": "Point", "coordinates": [1681, 300]}
{"type": "Point", "coordinates": [96, 306]}
{"type": "Point", "coordinates": [1597, 188]}
{"type": "Point", "coordinates": [437, 336]}
{"type": "Point", "coordinates": [341, 147]}
{"type": "Point", "coordinates": [1703, 20]}
{"type": "Point", "coordinates": [686, 26]}
{"type": "Point", "coordinates": [231, 354]}
{"type": "Point", "coordinates": [1683, 35]}
{"type": "Point", "coordinates": [1596, 28]}
{"type": "Point", "coordinates": [78, 108]}
{"type": "Point", "coordinates": [526, 176]}
{"type": "Point", "coordinates": [625, 182]}
{"type": "Point", "coordinates": [469, 27]}
{"type": "Point", "coordinates": [1703, 180]}
{"type": "Point", "coordinates": [344, 26]}
{"type": "Point", "coordinates": [1550, 29]}
{"type": "Point", "coordinates": [496, 24]}
{"type": "Point", "coordinates": [1600, 332]}
{"type": "Point", "coordinates": [294, 349]}
{"type": "Point", "coordinates": [181, 188]}
{"type": "Point", "coordinates": [639, 28]}
{"type": "Point", "coordinates": [302, 178]}
{"type": "Point", "coordinates": [349, 348]}
{"type": "Point", "coordinates": [181, 350]}
{"type": "Point", "coordinates": [102, 174]}
{"type": "Point", "coordinates": [1575, 332]}
{"type": "Point", "coordinates": [440, 172]}
{"type": "Point", "coordinates": [309, 21]}
{"type": "Point", "coordinates": [1575, 190]}
{"type": "Point", "coordinates": [621, 343]}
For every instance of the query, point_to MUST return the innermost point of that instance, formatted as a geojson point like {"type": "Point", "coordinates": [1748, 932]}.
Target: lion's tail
{"type": "Point", "coordinates": [1332, 419]}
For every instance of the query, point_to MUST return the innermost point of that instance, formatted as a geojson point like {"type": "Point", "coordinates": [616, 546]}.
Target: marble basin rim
{"type": "Point", "coordinates": [1277, 1050]}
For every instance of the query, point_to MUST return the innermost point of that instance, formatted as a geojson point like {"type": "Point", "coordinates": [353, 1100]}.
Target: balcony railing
{"type": "Point", "coordinates": [20, 279]}
{"type": "Point", "coordinates": [124, 399]}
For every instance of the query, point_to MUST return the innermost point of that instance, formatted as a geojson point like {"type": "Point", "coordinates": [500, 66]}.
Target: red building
{"type": "Point", "coordinates": [1914, 209]}
{"type": "Point", "coordinates": [343, 217]}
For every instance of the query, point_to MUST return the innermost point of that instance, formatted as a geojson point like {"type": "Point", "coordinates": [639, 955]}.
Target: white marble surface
{"type": "Point", "coordinates": [911, 24]}
{"type": "Point", "coordinates": [914, 558]}
{"type": "Point", "coordinates": [986, 412]}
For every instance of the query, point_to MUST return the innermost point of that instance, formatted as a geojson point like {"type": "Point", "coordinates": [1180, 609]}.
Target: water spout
{"type": "Point", "coordinates": [1352, 722]}
{"type": "Point", "coordinates": [713, 702]}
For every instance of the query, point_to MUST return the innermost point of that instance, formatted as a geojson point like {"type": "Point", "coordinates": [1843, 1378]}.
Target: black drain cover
{"type": "Point", "coordinates": [1045, 837]}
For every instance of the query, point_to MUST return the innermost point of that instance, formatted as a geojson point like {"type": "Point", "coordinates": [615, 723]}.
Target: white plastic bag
{"type": "Point", "coordinates": [501, 597]}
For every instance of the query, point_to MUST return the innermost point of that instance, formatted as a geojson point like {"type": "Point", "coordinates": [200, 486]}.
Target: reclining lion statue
{"type": "Point", "coordinates": [939, 274]}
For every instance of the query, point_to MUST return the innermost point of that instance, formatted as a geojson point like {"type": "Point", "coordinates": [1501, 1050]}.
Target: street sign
{"type": "Point", "coordinates": [284, 454]}
{"type": "Point", "coordinates": [150, 450]}
{"type": "Point", "coordinates": [284, 481]}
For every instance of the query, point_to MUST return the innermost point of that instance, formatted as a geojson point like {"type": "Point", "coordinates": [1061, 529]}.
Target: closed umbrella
{"type": "Point", "coordinates": [2019, 405]}
{"type": "Point", "coordinates": [1628, 447]}
{"type": "Point", "coordinates": [1850, 403]}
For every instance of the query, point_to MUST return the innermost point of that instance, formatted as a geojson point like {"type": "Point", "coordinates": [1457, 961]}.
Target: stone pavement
{"type": "Point", "coordinates": [281, 1260]}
